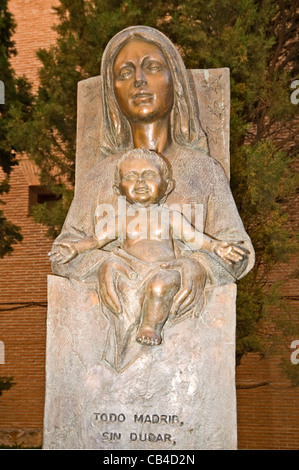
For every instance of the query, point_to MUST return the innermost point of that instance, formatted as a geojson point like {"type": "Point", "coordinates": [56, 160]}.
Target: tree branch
{"type": "Point", "coordinates": [252, 385]}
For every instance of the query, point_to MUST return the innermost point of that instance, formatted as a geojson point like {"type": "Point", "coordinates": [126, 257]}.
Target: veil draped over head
{"type": "Point", "coordinates": [185, 126]}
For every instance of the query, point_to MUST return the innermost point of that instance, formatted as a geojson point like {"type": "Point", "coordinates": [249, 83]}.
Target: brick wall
{"type": "Point", "coordinates": [23, 287]}
{"type": "Point", "coordinates": [23, 298]}
{"type": "Point", "coordinates": [35, 20]}
{"type": "Point", "coordinates": [267, 415]}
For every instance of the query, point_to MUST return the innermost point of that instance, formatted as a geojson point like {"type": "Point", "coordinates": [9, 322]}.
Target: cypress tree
{"type": "Point", "coordinates": [16, 101]}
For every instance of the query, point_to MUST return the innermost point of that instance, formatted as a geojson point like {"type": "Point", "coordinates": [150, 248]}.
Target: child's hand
{"type": "Point", "coordinates": [231, 253]}
{"type": "Point", "coordinates": [62, 253]}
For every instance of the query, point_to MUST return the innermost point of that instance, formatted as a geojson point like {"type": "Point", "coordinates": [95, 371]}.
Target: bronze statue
{"type": "Point", "coordinates": [143, 178]}
{"type": "Point", "coordinates": [148, 104]}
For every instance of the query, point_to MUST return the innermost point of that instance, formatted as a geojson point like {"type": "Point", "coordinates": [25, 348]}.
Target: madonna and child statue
{"type": "Point", "coordinates": [141, 315]}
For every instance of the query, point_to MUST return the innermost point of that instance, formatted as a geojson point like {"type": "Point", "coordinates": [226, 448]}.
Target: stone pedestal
{"type": "Point", "coordinates": [176, 396]}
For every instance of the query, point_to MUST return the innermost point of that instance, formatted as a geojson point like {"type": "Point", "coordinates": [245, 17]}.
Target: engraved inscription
{"type": "Point", "coordinates": [150, 437]}
{"type": "Point", "coordinates": [136, 435]}
{"type": "Point", "coordinates": [155, 419]}
{"type": "Point", "coordinates": [110, 417]}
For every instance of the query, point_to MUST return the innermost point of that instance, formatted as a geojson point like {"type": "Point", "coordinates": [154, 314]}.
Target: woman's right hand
{"type": "Point", "coordinates": [107, 275]}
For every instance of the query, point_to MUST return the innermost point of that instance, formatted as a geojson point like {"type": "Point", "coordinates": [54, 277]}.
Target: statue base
{"type": "Point", "coordinates": [179, 395]}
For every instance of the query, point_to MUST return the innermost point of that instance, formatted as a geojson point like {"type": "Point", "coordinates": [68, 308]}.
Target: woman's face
{"type": "Point", "coordinates": [142, 82]}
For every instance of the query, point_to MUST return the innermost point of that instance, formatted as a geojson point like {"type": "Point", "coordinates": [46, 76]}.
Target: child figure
{"type": "Point", "coordinates": [143, 177]}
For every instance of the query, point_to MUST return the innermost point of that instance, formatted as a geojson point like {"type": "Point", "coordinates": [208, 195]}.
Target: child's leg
{"type": "Point", "coordinates": [160, 292]}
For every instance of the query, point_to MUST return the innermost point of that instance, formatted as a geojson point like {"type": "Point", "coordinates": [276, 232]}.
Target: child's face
{"type": "Point", "coordinates": [141, 181]}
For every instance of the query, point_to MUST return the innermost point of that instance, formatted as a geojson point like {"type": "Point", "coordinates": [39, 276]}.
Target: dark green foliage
{"type": "Point", "coordinates": [6, 383]}
{"type": "Point", "coordinates": [53, 215]}
{"type": "Point", "coordinates": [17, 109]}
{"type": "Point", "coordinates": [257, 40]}
{"type": "Point", "coordinates": [9, 235]}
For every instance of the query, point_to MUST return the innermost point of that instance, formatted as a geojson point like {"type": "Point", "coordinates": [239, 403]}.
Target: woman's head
{"type": "Point", "coordinates": [185, 128]}
{"type": "Point", "coordinates": [143, 84]}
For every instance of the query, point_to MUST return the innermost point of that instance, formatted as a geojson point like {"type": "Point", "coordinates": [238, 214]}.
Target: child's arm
{"type": "Point", "coordinates": [86, 244]}
{"type": "Point", "coordinates": [66, 251]}
{"type": "Point", "coordinates": [230, 252]}
{"type": "Point", "coordinates": [102, 238]}
{"type": "Point", "coordinates": [183, 230]}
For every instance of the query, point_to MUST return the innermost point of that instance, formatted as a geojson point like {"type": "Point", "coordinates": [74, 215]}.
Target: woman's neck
{"type": "Point", "coordinates": [154, 136]}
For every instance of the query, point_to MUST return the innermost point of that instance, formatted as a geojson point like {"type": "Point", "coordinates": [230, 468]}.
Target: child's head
{"type": "Point", "coordinates": [143, 177]}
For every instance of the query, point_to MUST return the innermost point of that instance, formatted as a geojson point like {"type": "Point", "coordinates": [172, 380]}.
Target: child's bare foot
{"type": "Point", "coordinates": [149, 337]}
